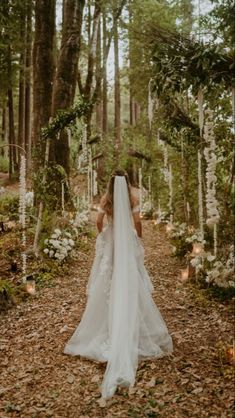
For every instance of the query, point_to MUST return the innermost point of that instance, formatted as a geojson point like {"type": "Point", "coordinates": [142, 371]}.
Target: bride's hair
{"type": "Point", "coordinates": [108, 197]}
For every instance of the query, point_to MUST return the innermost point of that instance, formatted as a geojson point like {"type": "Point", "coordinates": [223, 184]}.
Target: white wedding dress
{"type": "Point", "coordinates": [121, 323]}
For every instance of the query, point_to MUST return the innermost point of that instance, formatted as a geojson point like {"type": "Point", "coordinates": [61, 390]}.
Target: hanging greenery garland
{"type": "Point", "coordinates": [64, 118]}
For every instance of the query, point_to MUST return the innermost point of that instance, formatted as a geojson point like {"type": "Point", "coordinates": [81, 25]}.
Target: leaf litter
{"type": "Point", "coordinates": [39, 381]}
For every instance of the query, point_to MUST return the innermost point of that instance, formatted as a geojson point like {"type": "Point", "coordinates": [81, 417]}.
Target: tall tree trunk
{"type": "Point", "coordinates": [43, 70]}
{"type": "Point", "coordinates": [11, 135]}
{"type": "Point", "coordinates": [117, 96]}
{"type": "Point", "coordinates": [104, 79]}
{"type": "Point", "coordinates": [66, 76]}
{"type": "Point", "coordinates": [4, 132]}
{"type": "Point", "coordinates": [98, 83]}
{"type": "Point", "coordinates": [28, 63]}
{"type": "Point", "coordinates": [21, 104]}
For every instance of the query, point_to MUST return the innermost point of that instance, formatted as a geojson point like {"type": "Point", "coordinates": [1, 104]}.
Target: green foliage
{"type": "Point", "coordinates": [181, 63]}
{"type": "Point", "coordinates": [51, 191]}
{"type": "Point", "coordinates": [212, 291]}
{"type": "Point", "coordinates": [9, 206]}
{"type": "Point", "coordinates": [6, 294]}
{"type": "Point", "coordinates": [6, 288]}
{"type": "Point", "coordinates": [220, 22]}
{"type": "Point", "coordinates": [64, 118]}
{"type": "Point", "coordinates": [4, 164]}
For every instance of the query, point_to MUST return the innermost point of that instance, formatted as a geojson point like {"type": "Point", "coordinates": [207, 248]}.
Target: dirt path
{"type": "Point", "coordinates": [39, 381]}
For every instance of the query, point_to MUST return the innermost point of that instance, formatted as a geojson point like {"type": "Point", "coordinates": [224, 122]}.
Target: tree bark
{"type": "Point", "coordinates": [98, 83]}
{"type": "Point", "coordinates": [66, 76]}
{"type": "Point", "coordinates": [104, 79]}
{"type": "Point", "coordinates": [21, 103]}
{"type": "Point", "coordinates": [117, 96]}
{"type": "Point", "coordinates": [28, 69]}
{"type": "Point", "coordinates": [4, 132]}
{"type": "Point", "coordinates": [43, 70]}
{"type": "Point", "coordinates": [11, 118]}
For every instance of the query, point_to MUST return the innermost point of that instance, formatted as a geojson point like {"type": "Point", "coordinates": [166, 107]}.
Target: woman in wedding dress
{"type": "Point", "coordinates": [121, 323]}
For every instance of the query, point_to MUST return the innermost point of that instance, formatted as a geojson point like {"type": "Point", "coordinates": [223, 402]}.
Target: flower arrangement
{"type": "Point", "coordinates": [211, 179]}
{"type": "Point", "coordinates": [81, 219]}
{"type": "Point", "coordinates": [59, 245]}
{"type": "Point", "coordinates": [221, 273]}
{"type": "Point", "coordinates": [213, 271]}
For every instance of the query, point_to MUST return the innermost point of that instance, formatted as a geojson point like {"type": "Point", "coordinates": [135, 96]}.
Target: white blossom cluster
{"type": "Point", "coordinates": [162, 217]}
{"type": "Point", "coordinates": [146, 206]}
{"type": "Point", "coordinates": [196, 237]}
{"type": "Point", "coordinates": [59, 245]}
{"type": "Point", "coordinates": [197, 262]}
{"type": "Point", "coordinates": [81, 219]}
{"type": "Point", "coordinates": [178, 230]}
{"type": "Point", "coordinates": [217, 272]}
{"type": "Point", "coordinates": [211, 179]}
{"type": "Point", "coordinates": [150, 105]}
{"type": "Point", "coordinates": [2, 189]}
{"type": "Point", "coordinates": [222, 273]}
{"type": "Point", "coordinates": [22, 198]}
{"type": "Point", "coordinates": [22, 211]}
{"type": "Point", "coordinates": [29, 198]}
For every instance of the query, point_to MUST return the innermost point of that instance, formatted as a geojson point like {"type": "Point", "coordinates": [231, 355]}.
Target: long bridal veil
{"type": "Point", "coordinates": [121, 323]}
{"type": "Point", "coordinates": [123, 304]}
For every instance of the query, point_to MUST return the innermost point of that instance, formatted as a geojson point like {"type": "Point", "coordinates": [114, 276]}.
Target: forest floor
{"type": "Point", "coordinates": [39, 381]}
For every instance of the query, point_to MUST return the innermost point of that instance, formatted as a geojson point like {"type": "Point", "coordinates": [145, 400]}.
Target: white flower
{"type": "Point", "coordinates": [46, 251]}
{"type": "Point", "coordinates": [51, 253]}
{"type": "Point", "coordinates": [71, 242]}
{"type": "Point", "coordinates": [211, 257]}
{"type": "Point", "coordinates": [231, 283]}
{"type": "Point", "coordinates": [57, 231]}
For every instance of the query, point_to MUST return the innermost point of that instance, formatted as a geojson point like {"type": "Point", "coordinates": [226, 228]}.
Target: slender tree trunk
{"type": "Point", "coordinates": [117, 96]}
{"type": "Point", "coordinates": [104, 79]}
{"type": "Point", "coordinates": [66, 76]}
{"type": "Point", "coordinates": [21, 104]}
{"type": "Point", "coordinates": [98, 82]}
{"type": "Point", "coordinates": [28, 63]}
{"type": "Point", "coordinates": [4, 132]}
{"type": "Point", "coordinates": [43, 70]}
{"type": "Point", "coordinates": [11, 136]}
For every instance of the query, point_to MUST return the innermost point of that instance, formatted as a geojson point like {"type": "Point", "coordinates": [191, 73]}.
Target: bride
{"type": "Point", "coordinates": [121, 323]}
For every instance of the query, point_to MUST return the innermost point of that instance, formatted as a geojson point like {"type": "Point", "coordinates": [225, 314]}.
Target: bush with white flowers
{"type": "Point", "coordinates": [221, 272]}
{"type": "Point", "coordinates": [81, 219]}
{"type": "Point", "coordinates": [59, 245]}
{"type": "Point", "coordinates": [196, 236]}
{"type": "Point", "coordinates": [214, 271]}
{"type": "Point", "coordinates": [178, 229]}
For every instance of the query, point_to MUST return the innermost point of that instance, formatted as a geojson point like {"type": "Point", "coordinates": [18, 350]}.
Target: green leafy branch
{"type": "Point", "coordinates": [64, 118]}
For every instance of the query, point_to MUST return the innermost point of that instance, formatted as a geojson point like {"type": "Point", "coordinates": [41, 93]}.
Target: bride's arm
{"type": "Point", "coordinates": [100, 216]}
{"type": "Point", "coordinates": [136, 211]}
{"type": "Point", "coordinates": [137, 223]}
